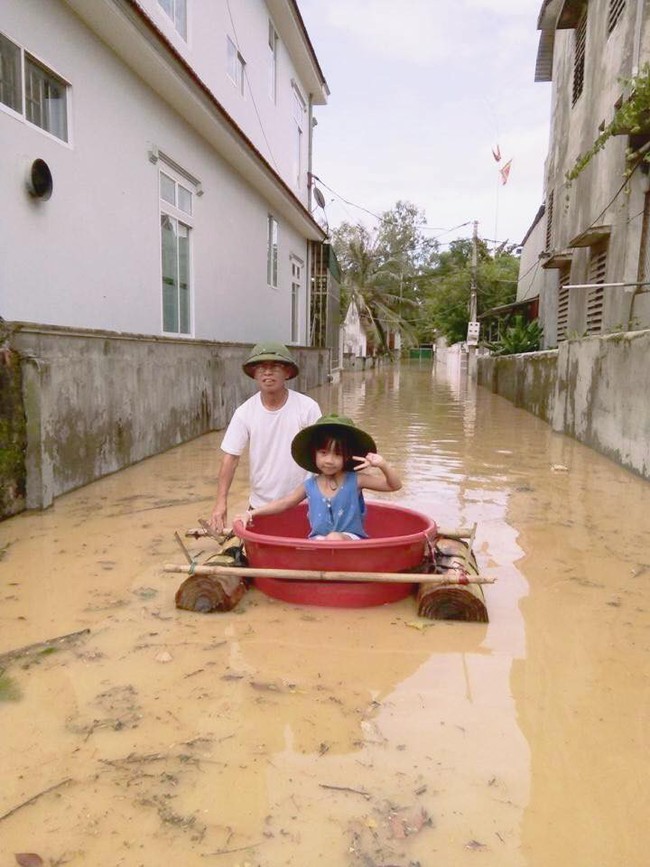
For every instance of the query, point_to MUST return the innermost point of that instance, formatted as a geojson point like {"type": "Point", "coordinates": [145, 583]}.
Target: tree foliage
{"type": "Point", "coordinates": [400, 280]}
{"type": "Point", "coordinates": [448, 286]}
{"type": "Point", "coordinates": [381, 270]}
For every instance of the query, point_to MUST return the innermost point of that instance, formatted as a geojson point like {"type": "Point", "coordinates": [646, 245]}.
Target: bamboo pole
{"type": "Point", "coordinates": [42, 646]}
{"type": "Point", "coordinates": [316, 575]}
{"type": "Point", "coordinates": [458, 533]}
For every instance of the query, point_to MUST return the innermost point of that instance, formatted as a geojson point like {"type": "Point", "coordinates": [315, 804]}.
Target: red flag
{"type": "Point", "coordinates": [504, 172]}
{"type": "Point", "coordinates": [496, 153]}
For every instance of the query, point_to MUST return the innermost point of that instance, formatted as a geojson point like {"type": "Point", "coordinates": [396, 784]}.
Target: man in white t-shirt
{"type": "Point", "coordinates": [267, 424]}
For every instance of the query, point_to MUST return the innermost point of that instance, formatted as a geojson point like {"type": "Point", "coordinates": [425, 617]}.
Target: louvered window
{"type": "Point", "coordinates": [549, 221]}
{"type": "Point", "coordinates": [596, 296]}
{"type": "Point", "coordinates": [580, 43]}
{"type": "Point", "coordinates": [616, 8]}
{"type": "Point", "coordinates": [563, 304]}
{"type": "Point", "coordinates": [644, 251]}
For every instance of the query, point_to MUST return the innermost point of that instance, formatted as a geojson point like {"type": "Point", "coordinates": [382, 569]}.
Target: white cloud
{"type": "Point", "coordinates": [412, 31]}
{"type": "Point", "coordinates": [421, 92]}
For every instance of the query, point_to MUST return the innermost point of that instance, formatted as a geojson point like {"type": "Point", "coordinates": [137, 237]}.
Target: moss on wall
{"type": "Point", "coordinates": [13, 437]}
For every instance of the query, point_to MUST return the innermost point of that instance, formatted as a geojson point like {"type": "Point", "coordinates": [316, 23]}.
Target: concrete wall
{"type": "Point", "coordinates": [96, 402]}
{"type": "Point", "coordinates": [527, 380]}
{"type": "Point", "coordinates": [596, 390]}
{"type": "Point", "coordinates": [603, 396]}
{"type": "Point", "coordinates": [13, 434]}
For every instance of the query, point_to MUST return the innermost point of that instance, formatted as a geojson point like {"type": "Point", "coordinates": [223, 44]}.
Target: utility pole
{"type": "Point", "coordinates": [472, 297]}
{"type": "Point", "coordinates": [473, 326]}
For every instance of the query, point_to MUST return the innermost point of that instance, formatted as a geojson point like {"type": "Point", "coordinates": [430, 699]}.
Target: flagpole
{"type": "Point", "coordinates": [496, 212]}
{"type": "Point", "coordinates": [496, 153]}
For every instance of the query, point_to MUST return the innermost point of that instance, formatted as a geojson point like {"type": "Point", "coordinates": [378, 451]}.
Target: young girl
{"type": "Point", "coordinates": [340, 455]}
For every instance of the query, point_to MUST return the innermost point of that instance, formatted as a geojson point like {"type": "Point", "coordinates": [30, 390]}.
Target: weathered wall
{"type": "Point", "coordinates": [13, 436]}
{"type": "Point", "coordinates": [527, 380]}
{"type": "Point", "coordinates": [596, 389]}
{"type": "Point", "coordinates": [603, 396]}
{"type": "Point", "coordinates": [96, 402]}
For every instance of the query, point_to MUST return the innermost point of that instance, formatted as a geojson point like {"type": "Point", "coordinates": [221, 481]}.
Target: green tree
{"type": "Point", "coordinates": [382, 271]}
{"type": "Point", "coordinates": [447, 287]}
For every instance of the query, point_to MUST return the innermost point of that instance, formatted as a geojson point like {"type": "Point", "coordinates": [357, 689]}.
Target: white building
{"type": "Point", "coordinates": [175, 137]}
{"type": "Point", "coordinates": [354, 343]}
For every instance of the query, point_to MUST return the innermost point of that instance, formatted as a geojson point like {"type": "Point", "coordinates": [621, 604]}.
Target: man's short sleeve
{"type": "Point", "coordinates": [237, 434]}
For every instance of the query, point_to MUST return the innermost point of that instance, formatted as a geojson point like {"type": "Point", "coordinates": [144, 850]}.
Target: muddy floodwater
{"type": "Point", "coordinates": [285, 736]}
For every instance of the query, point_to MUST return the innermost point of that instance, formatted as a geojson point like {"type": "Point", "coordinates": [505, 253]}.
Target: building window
{"type": "Point", "coordinates": [644, 247]}
{"type": "Point", "coordinates": [580, 43]}
{"type": "Point", "coordinates": [595, 295]}
{"type": "Point", "coordinates": [549, 221]}
{"type": "Point", "coordinates": [616, 8]}
{"type": "Point", "coordinates": [32, 90]}
{"type": "Point", "coordinates": [272, 252]}
{"type": "Point", "coordinates": [299, 110]}
{"type": "Point", "coordinates": [176, 10]}
{"type": "Point", "coordinates": [11, 93]}
{"type": "Point", "coordinates": [296, 284]}
{"type": "Point", "coordinates": [563, 304]}
{"type": "Point", "coordinates": [273, 63]}
{"type": "Point", "coordinates": [235, 65]}
{"type": "Point", "coordinates": [176, 205]}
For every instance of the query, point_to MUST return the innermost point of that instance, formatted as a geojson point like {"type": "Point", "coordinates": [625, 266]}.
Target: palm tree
{"type": "Point", "coordinates": [380, 271]}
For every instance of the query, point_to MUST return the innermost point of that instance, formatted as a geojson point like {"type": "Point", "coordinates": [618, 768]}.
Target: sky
{"type": "Point", "coordinates": [421, 93]}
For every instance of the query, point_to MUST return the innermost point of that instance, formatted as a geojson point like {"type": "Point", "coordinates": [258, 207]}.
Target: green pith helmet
{"type": "Point", "coordinates": [270, 351]}
{"type": "Point", "coordinates": [340, 426]}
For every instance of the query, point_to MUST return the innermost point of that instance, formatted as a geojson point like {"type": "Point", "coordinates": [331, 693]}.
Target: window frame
{"type": "Point", "coordinates": [171, 14]}
{"type": "Point", "coordinates": [299, 113]}
{"type": "Point", "coordinates": [235, 65]}
{"type": "Point", "coordinates": [273, 44]}
{"type": "Point", "coordinates": [25, 61]}
{"type": "Point", "coordinates": [596, 277]}
{"type": "Point", "coordinates": [563, 304]}
{"type": "Point", "coordinates": [579, 57]}
{"type": "Point", "coordinates": [297, 269]}
{"type": "Point", "coordinates": [614, 14]}
{"type": "Point", "coordinates": [184, 217]}
{"type": "Point", "coordinates": [272, 251]}
{"type": "Point", "coordinates": [550, 204]}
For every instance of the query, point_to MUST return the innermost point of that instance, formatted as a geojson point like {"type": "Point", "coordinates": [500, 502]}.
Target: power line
{"type": "Point", "coordinates": [250, 89]}
{"type": "Point", "coordinates": [384, 218]}
{"type": "Point", "coordinates": [352, 204]}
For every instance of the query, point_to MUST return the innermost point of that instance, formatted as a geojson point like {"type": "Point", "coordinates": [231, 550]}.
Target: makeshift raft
{"type": "Point", "coordinates": [405, 554]}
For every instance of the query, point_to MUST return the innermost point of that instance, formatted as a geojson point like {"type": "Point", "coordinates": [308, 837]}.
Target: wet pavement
{"type": "Point", "coordinates": [279, 735]}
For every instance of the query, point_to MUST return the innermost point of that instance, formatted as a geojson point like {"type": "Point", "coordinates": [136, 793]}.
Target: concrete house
{"type": "Point", "coordinates": [158, 218]}
{"type": "Point", "coordinates": [587, 253]}
{"type": "Point", "coordinates": [586, 256]}
{"type": "Point", "coordinates": [156, 166]}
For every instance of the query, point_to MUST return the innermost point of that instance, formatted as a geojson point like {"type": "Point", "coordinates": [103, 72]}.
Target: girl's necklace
{"type": "Point", "coordinates": [332, 484]}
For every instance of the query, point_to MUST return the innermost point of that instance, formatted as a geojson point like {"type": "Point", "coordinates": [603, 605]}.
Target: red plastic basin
{"type": "Point", "coordinates": [396, 543]}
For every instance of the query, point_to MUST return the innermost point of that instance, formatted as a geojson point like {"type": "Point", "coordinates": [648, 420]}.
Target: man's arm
{"type": "Point", "coordinates": [219, 514]}
{"type": "Point", "coordinates": [275, 507]}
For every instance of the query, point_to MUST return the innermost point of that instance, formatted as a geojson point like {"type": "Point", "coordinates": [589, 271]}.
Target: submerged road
{"type": "Point", "coordinates": [281, 736]}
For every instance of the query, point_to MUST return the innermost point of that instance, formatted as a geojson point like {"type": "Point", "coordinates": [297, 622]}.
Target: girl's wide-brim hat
{"type": "Point", "coordinates": [274, 352]}
{"type": "Point", "coordinates": [339, 426]}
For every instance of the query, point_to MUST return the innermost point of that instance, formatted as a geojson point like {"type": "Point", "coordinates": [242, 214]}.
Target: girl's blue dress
{"type": "Point", "coordinates": [343, 513]}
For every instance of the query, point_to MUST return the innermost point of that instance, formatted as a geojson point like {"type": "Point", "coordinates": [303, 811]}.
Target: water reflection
{"type": "Point", "coordinates": [283, 735]}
